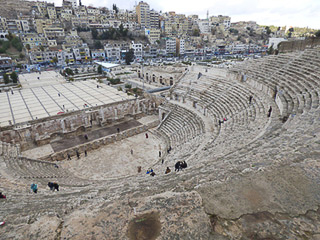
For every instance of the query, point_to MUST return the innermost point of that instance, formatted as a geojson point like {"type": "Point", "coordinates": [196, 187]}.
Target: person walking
{"type": "Point", "coordinates": [250, 99]}
{"type": "Point", "coordinates": [85, 153]}
{"type": "Point", "coordinates": [147, 136]}
{"type": "Point", "coordinates": [69, 157]}
{"type": "Point", "coordinates": [78, 154]}
{"type": "Point", "coordinates": [269, 111]}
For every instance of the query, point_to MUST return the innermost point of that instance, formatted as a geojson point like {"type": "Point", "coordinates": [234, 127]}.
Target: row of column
{"type": "Point", "coordinates": [9, 150]}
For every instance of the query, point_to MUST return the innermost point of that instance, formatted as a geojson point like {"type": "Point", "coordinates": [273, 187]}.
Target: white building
{"type": "Point", "coordinates": [171, 46]}
{"type": "Point", "coordinates": [112, 53]}
{"type": "Point", "coordinates": [137, 48]}
{"type": "Point", "coordinates": [98, 54]}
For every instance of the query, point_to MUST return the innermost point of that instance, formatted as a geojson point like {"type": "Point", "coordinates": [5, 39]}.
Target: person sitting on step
{"type": "Point", "coordinates": [2, 196]}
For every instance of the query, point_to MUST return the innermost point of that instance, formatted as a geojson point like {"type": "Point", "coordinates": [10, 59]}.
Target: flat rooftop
{"type": "Point", "coordinates": [41, 102]}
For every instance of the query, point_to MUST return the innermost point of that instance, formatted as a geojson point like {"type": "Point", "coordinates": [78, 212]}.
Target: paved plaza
{"type": "Point", "coordinates": [40, 102]}
{"type": "Point", "coordinates": [40, 79]}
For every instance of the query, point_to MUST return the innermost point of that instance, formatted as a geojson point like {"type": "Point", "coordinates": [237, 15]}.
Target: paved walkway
{"type": "Point", "coordinates": [92, 135]}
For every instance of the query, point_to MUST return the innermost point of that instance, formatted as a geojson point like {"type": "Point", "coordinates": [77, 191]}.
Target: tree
{"type": "Point", "coordinates": [115, 8]}
{"type": "Point", "coordinates": [196, 33]}
{"type": "Point", "coordinates": [98, 45]}
{"type": "Point", "coordinates": [100, 69]}
{"type": "Point", "coordinates": [268, 30]}
{"type": "Point", "coordinates": [67, 61]}
{"type": "Point", "coordinates": [6, 78]}
{"type": "Point", "coordinates": [14, 77]}
{"type": "Point", "coordinates": [129, 56]}
{"type": "Point", "coordinates": [42, 48]}
{"type": "Point", "coordinates": [317, 33]}
{"type": "Point", "coordinates": [54, 60]}
{"type": "Point", "coordinates": [94, 33]}
{"type": "Point", "coordinates": [21, 56]}
{"type": "Point", "coordinates": [28, 46]}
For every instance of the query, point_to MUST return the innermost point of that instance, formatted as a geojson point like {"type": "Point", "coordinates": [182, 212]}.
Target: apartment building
{"type": "Point", "coordinates": [143, 14]}
{"type": "Point", "coordinates": [81, 53]}
{"type": "Point", "coordinates": [51, 10]}
{"type": "Point", "coordinates": [138, 51]}
{"type": "Point", "coordinates": [65, 56]}
{"type": "Point", "coordinates": [152, 34]}
{"type": "Point", "coordinates": [171, 46]}
{"type": "Point", "coordinates": [98, 54]}
{"type": "Point", "coordinates": [112, 53]}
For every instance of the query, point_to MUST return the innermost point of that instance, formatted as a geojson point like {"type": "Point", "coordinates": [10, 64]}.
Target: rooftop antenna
{"type": "Point", "coordinates": [207, 14]}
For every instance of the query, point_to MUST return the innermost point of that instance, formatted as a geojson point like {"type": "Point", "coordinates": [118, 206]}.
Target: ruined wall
{"type": "Point", "coordinates": [300, 45]}
{"type": "Point", "coordinates": [42, 131]}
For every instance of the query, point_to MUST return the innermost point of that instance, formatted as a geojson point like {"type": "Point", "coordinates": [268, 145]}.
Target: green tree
{"type": "Point", "coordinates": [129, 56]}
{"type": "Point", "coordinates": [127, 85]}
{"type": "Point", "coordinates": [94, 33]}
{"type": "Point", "coordinates": [54, 60]}
{"type": "Point", "coordinates": [98, 45]}
{"type": "Point", "coordinates": [317, 33]}
{"type": "Point", "coordinates": [42, 48]}
{"type": "Point", "coordinates": [196, 33]}
{"type": "Point", "coordinates": [115, 8]}
{"type": "Point", "coordinates": [6, 78]}
{"type": "Point", "coordinates": [28, 46]}
{"type": "Point", "coordinates": [268, 30]}
{"type": "Point", "coordinates": [14, 77]}
{"type": "Point", "coordinates": [100, 69]}
{"type": "Point", "coordinates": [21, 56]}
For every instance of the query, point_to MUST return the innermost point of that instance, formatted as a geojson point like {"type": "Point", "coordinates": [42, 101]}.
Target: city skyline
{"type": "Point", "coordinates": [278, 13]}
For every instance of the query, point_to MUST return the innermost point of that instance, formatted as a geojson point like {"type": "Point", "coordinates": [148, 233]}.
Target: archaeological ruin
{"type": "Point", "coordinates": [249, 134]}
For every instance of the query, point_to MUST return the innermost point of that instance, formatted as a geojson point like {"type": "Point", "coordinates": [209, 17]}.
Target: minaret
{"type": "Point", "coordinates": [208, 15]}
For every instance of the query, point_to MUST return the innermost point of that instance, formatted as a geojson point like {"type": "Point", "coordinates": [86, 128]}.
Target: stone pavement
{"type": "Point", "coordinates": [92, 135]}
{"type": "Point", "coordinates": [45, 101]}
{"type": "Point", "coordinates": [115, 160]}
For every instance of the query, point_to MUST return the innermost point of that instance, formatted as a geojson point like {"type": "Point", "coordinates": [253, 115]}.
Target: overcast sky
{"type": "Point", "coordinates": [301, 13]}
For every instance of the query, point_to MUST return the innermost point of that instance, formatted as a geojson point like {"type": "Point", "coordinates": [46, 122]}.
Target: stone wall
{"type": "Point", "coordinates": [300, 45]}
{"type": "Point", "coordinates": [39, 132]}
{"type": "Point", "coordinates": [167, 76]}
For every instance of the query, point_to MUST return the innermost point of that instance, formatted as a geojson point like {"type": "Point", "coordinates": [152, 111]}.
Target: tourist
{"type": "Point", "coordinates": [250, 99]}
{"type": "Point", "coordinates": [69, 157]}
{"type": "Point", "coordinates": [85, 153]}
{"type": "Point", "coordinates": [159, 153]}
{"type": "Point", "coordinates": [220, 122]}
{"type": "Point", "coordinates": [34, 187]}
{"type": "Point", "coordinates": [78, 154]}
{"type": "Point", "coordinates": [177, 166]}
{"type": "Point", "coordinates": [147, 136]}
{"type": "Point", "coordinates": [162, 161]}
{"type": "Point", "coordinates": [86, 136]}
{"type": "Point", "coordinates": [183, 165]}
{"type": "Point", "coordinates": [59, 94]}
{"type": "Point", "coordinates": [139, 169]}
{"type": "Point", "coordinates": [169, 149]}
{"type": "Point", "coordinates": [2, 196]}
{"type": "Point", "coordinates": [149, 171]}
{"type": "Point", "coordinates": [168, 170]}
{"type": "Point", "coordinates": [53, 186]}
{"type": "Point", "coordinates": [131, 152]}
{"type": "Point", "coordinates": [152, 174]}
{"type": "Point", "coordinates": [56, 166]}
{"type": "Point", "coordinates": [269, 111]}
{"type": "Point", "coordinates": [118, 130]}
